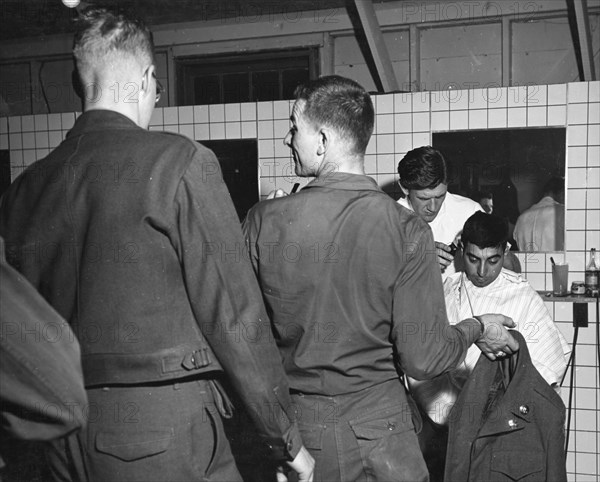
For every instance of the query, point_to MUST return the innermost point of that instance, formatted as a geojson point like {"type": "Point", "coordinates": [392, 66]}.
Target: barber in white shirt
{"type": "Point", "coordinates": [424, 182]}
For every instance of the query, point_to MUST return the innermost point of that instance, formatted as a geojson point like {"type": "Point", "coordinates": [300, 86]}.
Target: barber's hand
{"type": "Point", "coordinates": [443, 254]}
{"type": "Point", "coordinates": [303, 465]}
{"type": "Point", "coordinates": [496, 341]}
{"type": "Point", "coordinates": [277, 193]}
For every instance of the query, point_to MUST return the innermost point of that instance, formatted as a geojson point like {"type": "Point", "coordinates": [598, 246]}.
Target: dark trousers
{"type": "Point", "coordinates": [433, 440]}
{"type": "Point", "coordinates": [160, 432]}
{"type": "Point", "coordinates": [366, 436]}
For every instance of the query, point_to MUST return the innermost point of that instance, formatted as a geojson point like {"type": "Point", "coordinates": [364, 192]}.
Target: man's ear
{"type": "Point", "coordinates": [145, 86]}
{"type": "Point", "coordinates": [404, 190]}
{"type": "Point", "coordinates": [325, 135]}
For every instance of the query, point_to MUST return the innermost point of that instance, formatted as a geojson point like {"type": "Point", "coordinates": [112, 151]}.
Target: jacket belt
{"type": "Point", "coordinates": [135, 368]}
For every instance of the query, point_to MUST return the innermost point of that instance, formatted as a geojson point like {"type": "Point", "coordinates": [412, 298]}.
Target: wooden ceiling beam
{"type": "Point", "coordinates": [377, 47]}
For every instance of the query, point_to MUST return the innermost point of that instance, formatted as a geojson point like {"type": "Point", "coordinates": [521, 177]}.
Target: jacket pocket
{"type": "Point", "coordinates": [383, 423]}
{"type": "Point", "coordinates": [518, 465]}
{"type": "Point", "coordinates": [130, 445]}
{"type": "Point", "coordinates": [312, 435]}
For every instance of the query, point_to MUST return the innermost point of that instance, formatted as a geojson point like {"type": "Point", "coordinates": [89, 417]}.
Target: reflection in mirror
{"type": "Point", "coordinates": [515, 173]}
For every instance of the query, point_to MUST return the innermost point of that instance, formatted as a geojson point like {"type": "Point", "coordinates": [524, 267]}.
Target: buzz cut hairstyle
{"type": "Point", "coordinates": [102, 33]}
{"type": "Point", "coordinates": [422, 168]}
{"type": "Point", "coordinates": [341, 104]}
{"type": "Point", "coordinates": [485, 231]}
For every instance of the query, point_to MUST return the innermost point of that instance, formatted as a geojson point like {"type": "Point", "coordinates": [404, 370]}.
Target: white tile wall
{"type": "Point", "coordinates": [405, 121]}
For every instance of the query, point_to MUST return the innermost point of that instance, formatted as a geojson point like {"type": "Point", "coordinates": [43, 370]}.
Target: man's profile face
{"type": "Point", "coordinates": [427, 202]}
{"type": "Point", "coordinates": [302, 139]}
{"type": "Point", "coordinates": [482, 266]}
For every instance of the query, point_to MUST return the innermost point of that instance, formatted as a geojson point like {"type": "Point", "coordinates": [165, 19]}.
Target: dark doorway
{"type": "Point", "coordinates": [4, 171]}
{"type": "Point", "coordinates": [239, 162]}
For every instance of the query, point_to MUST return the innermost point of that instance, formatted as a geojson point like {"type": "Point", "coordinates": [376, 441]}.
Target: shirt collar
{"type": "Point", "coordinates": [99, 120]}
{"type": "Point", "coordinates": [344, 181]}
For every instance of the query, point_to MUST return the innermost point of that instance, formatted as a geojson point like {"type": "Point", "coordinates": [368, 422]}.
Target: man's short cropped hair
{"type": "Point", "coordinates": [102, 35]}
{"type": "Point", "coordinates": [423, 168]}
{"type": "Point", "coordinates": [341, 104]}
{"type": "Point", "coordinates": [485, 231]}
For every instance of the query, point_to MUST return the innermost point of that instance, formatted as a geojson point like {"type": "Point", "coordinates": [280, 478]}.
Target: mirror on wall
{"type": "Point", "coordinates": [518, 173]}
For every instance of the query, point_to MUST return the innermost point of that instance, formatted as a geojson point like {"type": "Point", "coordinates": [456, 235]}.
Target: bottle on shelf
{"type": "Point", "coordinates": [592, 272]}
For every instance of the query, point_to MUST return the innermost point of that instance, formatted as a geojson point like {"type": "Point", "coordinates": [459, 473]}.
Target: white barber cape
{"type": "Point", "coordinates": [511, 295]}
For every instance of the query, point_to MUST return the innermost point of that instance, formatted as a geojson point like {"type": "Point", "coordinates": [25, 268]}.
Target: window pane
{"type": "Point", "coordinates": [236, 88]}
{"type": "Point", "coordinates": [542, 52]}
{"type": "Point", "coordinates": [265, 86]}
{"type": "Point", "coordinates": [461, 57]}
{"type": "Point", "coordinates": [207, 90]}
{"type": "Point", "coordinates": [291, 79]}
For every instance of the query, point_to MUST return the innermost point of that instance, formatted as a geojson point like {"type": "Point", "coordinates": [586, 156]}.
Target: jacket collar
{"type": "Point", "coordinates": [344, 181]}
{"type": "Point", "coordinates": [100, 120]}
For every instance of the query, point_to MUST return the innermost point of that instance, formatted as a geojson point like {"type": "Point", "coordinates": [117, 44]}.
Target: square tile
{"type": "Point", "coordinates": [265, 110]}
{"type": "Point", "coordinates": [187, 130]}
{"type": "Point", "coordinates": [403, 122]}
{"type": "Point", "coordinates": [249, 130]}
{"type": "Point", "coordinates": [458, 99]}
{"type": "Point", "coordinates": [478, 119]}
{"type": "Point", "coordinates": [217, 130]}
{"type": "Point", "coordinates": [497, 97]}
{"type": "Point", "coordinates": [266, 185]}
{"type": "Point", "coordinates": [420, 122]}
{"type": "Point", "coordinates": [265, 129]}
{"type": "Point", "coordinates": [516, 96]}
{"type": "Point", "coordinates": [29, 157]}
{"type": "Point", "coordinates": [517, 117]}
{"type": "Point", "coordinates": [171, 128]}
{"type": "Point", "coordinates": [577, 156]}
{"type": "Point", "coordinates": [385, 143]}
{"type": "Point", "coordinates": [3, 125]}
{"type": "Point", "coordinates": [281, 109]}
{"type": "Point", "coordinates": [577, 92]}
{"type": "Point", "coordinates": [477, 98]}
{"type": "Point", "coordinates": [281, 150]}
{"type": "Point", "coordinates": [403, 143]}
{"type": "Point", "coordinates": [497, 118]}
{"type": "Point", "coordinates": [186, 114]}
{"type": "Point", "coordinates": [41, 140]}
{"type": "Point", "coordinates": [15, 141]}
{"type": "Point", "coordinates": [372, 146]}
{"type": "Point", "coordinates": [4, 141]}
{"type": "Point", "coordinates": [557, 94]}
{"type": "Point", "coordinates": [28, 140]}
{"type": "Point", "coordinates": [575, 220]}
{"type": "Point", "coordinates": [170, 115]}
{"type": "Point", "coordinates": [592, 219]}
{"type": "Point", "coordinates": [577, 114]}
{"type": "Point", "coordinates": [384, 104]}
{"type": "Point", "coordinates": [16, 157]}
{"type": "Point", "coordinates": [54, 122]}
{"type": "Point", "coordinates": [200, 114]}
{"type": "Point", "coordinates": [386, 163]}
{"type": "Point", "coordinates": [594, 92]}
{"type": "Point", "coordinates": [459, 119]}
{"type": "Point", "coordinates": [384, 123]}
{"type": "Point", "coordinates": [577, 135]}
{"type": "Point", "coordinates": [576, 198]}
{"type": "Point", "coordinates": [201, 132]}
{"type": "Point", "coordinates": [14, 124]}
{"type": "Point", "coordinates": [536, 116]}
{"type": "Point", "coordinates": [557, 115]}
{"type": "Point", "coordinates": [233, 112]}
{"type": "Point", "coordinates": [41, 122]}
{"type": "Point", "coordinates": [440, 121]}
{"type": "Point", "coordinates": [403, 102]}
{"type": "Point", "coordinates": [537, 95]}
{"type": "Point", "coordinates": [593, 198]}
{"type": "Point", "coordinates": [421, 102]}
{"type": "Point", "coordinates": [266, 148]}
{"type": "Point", "coordinates": [27, 123]}
{"type": "Point", "coordinates": [216, 113]}
{"type": "Point", "coordinates": [421, 139]}
{"type": "Point", "coordinates": [439, 101]}
{"type": "Point", "coordinates": [248, 111]}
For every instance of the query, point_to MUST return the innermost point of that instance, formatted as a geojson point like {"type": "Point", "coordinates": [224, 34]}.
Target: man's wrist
{"type": "Point", "coordinates": [481, 325]}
